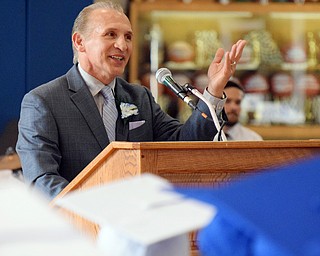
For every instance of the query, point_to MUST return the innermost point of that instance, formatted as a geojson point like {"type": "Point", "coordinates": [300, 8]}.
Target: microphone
{"type": "Point", "coordinates": [164, 76]}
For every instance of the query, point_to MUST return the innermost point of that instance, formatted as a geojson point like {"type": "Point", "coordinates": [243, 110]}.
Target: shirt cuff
{"type": "Point", "coordinates": [216, 102]}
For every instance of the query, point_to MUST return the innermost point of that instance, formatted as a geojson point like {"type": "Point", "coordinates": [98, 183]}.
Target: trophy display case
{"type": "Point", "coordinates": [279, 68]}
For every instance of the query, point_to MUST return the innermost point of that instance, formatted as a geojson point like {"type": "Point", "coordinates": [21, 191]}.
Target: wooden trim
{"type": "Point", "coordinates": [287, 132]}
{"type": "Point", "coordinates": [170, 5]}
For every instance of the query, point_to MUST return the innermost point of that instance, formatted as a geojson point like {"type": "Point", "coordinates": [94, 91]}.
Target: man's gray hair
{"type": "Point", "coordinates": [81, 22]}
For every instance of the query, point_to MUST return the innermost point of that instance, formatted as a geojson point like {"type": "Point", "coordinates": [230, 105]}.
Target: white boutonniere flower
{"type": "Point", "coordinates": [128, 109]}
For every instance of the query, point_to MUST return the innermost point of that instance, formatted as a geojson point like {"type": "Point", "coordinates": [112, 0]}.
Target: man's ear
{"type": "Point", "coordinates": [77, 40]}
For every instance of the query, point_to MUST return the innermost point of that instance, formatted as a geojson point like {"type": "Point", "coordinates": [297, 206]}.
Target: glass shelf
{"type": "Point", "coordinates": [274, 32]}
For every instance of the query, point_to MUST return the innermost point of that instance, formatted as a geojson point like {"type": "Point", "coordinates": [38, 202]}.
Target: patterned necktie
{"type": "Point", "coordinates": [109, 112]}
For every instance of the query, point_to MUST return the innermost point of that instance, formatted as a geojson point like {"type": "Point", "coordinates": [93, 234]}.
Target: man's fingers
{"type": "Point", "coordinates": [239, 49]}
{"type": "Point", "coordinates": [219, 55]}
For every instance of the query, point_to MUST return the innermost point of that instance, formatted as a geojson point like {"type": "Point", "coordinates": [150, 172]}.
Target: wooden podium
{"type": "Point", "coordinates": [191, 164]}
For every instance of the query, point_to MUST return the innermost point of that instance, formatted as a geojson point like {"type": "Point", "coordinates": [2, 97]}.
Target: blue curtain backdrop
{"type": "Point", "coordinates": [35, 47]}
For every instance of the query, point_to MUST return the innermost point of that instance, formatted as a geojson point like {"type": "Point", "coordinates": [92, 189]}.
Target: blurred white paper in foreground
{"type": "Point", "coordinates": [29, 227]}
{"type": "Point", "coordinates": [140, 215]}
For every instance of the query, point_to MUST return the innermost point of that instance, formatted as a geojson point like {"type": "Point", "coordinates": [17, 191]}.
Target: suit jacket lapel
{"type": "Point", "coordinates": [84, 101]}
{"type": "Point", "coordinates": [121, 95]}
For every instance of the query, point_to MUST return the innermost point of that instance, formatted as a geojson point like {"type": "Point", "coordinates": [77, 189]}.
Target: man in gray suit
{"type": "Point", "coordinates": [61, 128]}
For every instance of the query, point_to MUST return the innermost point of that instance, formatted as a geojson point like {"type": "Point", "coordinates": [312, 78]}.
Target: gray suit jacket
{"type": "Point", "coordinates": [61, 130]}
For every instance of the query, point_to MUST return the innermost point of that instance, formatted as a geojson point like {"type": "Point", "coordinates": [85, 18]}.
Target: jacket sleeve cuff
{"type": "Point", "coordinates": [217, 103]}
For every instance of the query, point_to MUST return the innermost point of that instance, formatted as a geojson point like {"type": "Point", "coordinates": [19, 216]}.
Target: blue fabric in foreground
{"type": "Point", "coordinates": [274, 212]}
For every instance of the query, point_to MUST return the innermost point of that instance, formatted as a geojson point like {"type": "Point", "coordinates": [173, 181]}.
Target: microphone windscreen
{"type": "Point", "coordinates": [161, 74]}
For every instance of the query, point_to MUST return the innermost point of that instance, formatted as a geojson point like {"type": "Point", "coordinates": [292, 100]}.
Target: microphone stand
{"type": "Point", "coordinates": [195, 92]}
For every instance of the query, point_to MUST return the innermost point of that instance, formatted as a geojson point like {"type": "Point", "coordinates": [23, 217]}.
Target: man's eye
{"type": "Point", "coordinates": [111, 34]}
{"type": "Point", "coordinates": [129, 37]}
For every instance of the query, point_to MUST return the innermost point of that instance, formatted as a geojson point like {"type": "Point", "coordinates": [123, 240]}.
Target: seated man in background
{"type": "Point", "coordinates": [233, 129]}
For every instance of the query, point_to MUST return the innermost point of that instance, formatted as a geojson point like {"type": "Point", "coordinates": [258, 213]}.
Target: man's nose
{"type": "Point", "coordinates": [121, 43]}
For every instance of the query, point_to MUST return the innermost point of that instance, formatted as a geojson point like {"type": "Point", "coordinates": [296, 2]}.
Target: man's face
{"type": "Point", "coordinates": [233, 104]}
{"type": "Point", "coordinates": [107, 45]}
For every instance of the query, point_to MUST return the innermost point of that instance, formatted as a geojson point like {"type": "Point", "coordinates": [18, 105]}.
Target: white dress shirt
{"type": "Point", "coordinates": [240, 133]}
{"type": "Point", "coordinates": [95, 86]}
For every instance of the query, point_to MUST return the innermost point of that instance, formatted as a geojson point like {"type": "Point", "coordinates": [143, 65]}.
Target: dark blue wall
{"type": "Point", "coordinates": [12, 58]}
{"type": "Point", "coordinates": [35, 47]}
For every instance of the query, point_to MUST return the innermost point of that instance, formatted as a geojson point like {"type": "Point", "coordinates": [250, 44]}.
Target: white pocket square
{"type": "Point", "coordinates": [136, 124]}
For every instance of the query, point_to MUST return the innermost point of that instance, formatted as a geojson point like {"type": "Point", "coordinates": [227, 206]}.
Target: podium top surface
{"type": "Point", "coordinates": [216, 144]}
